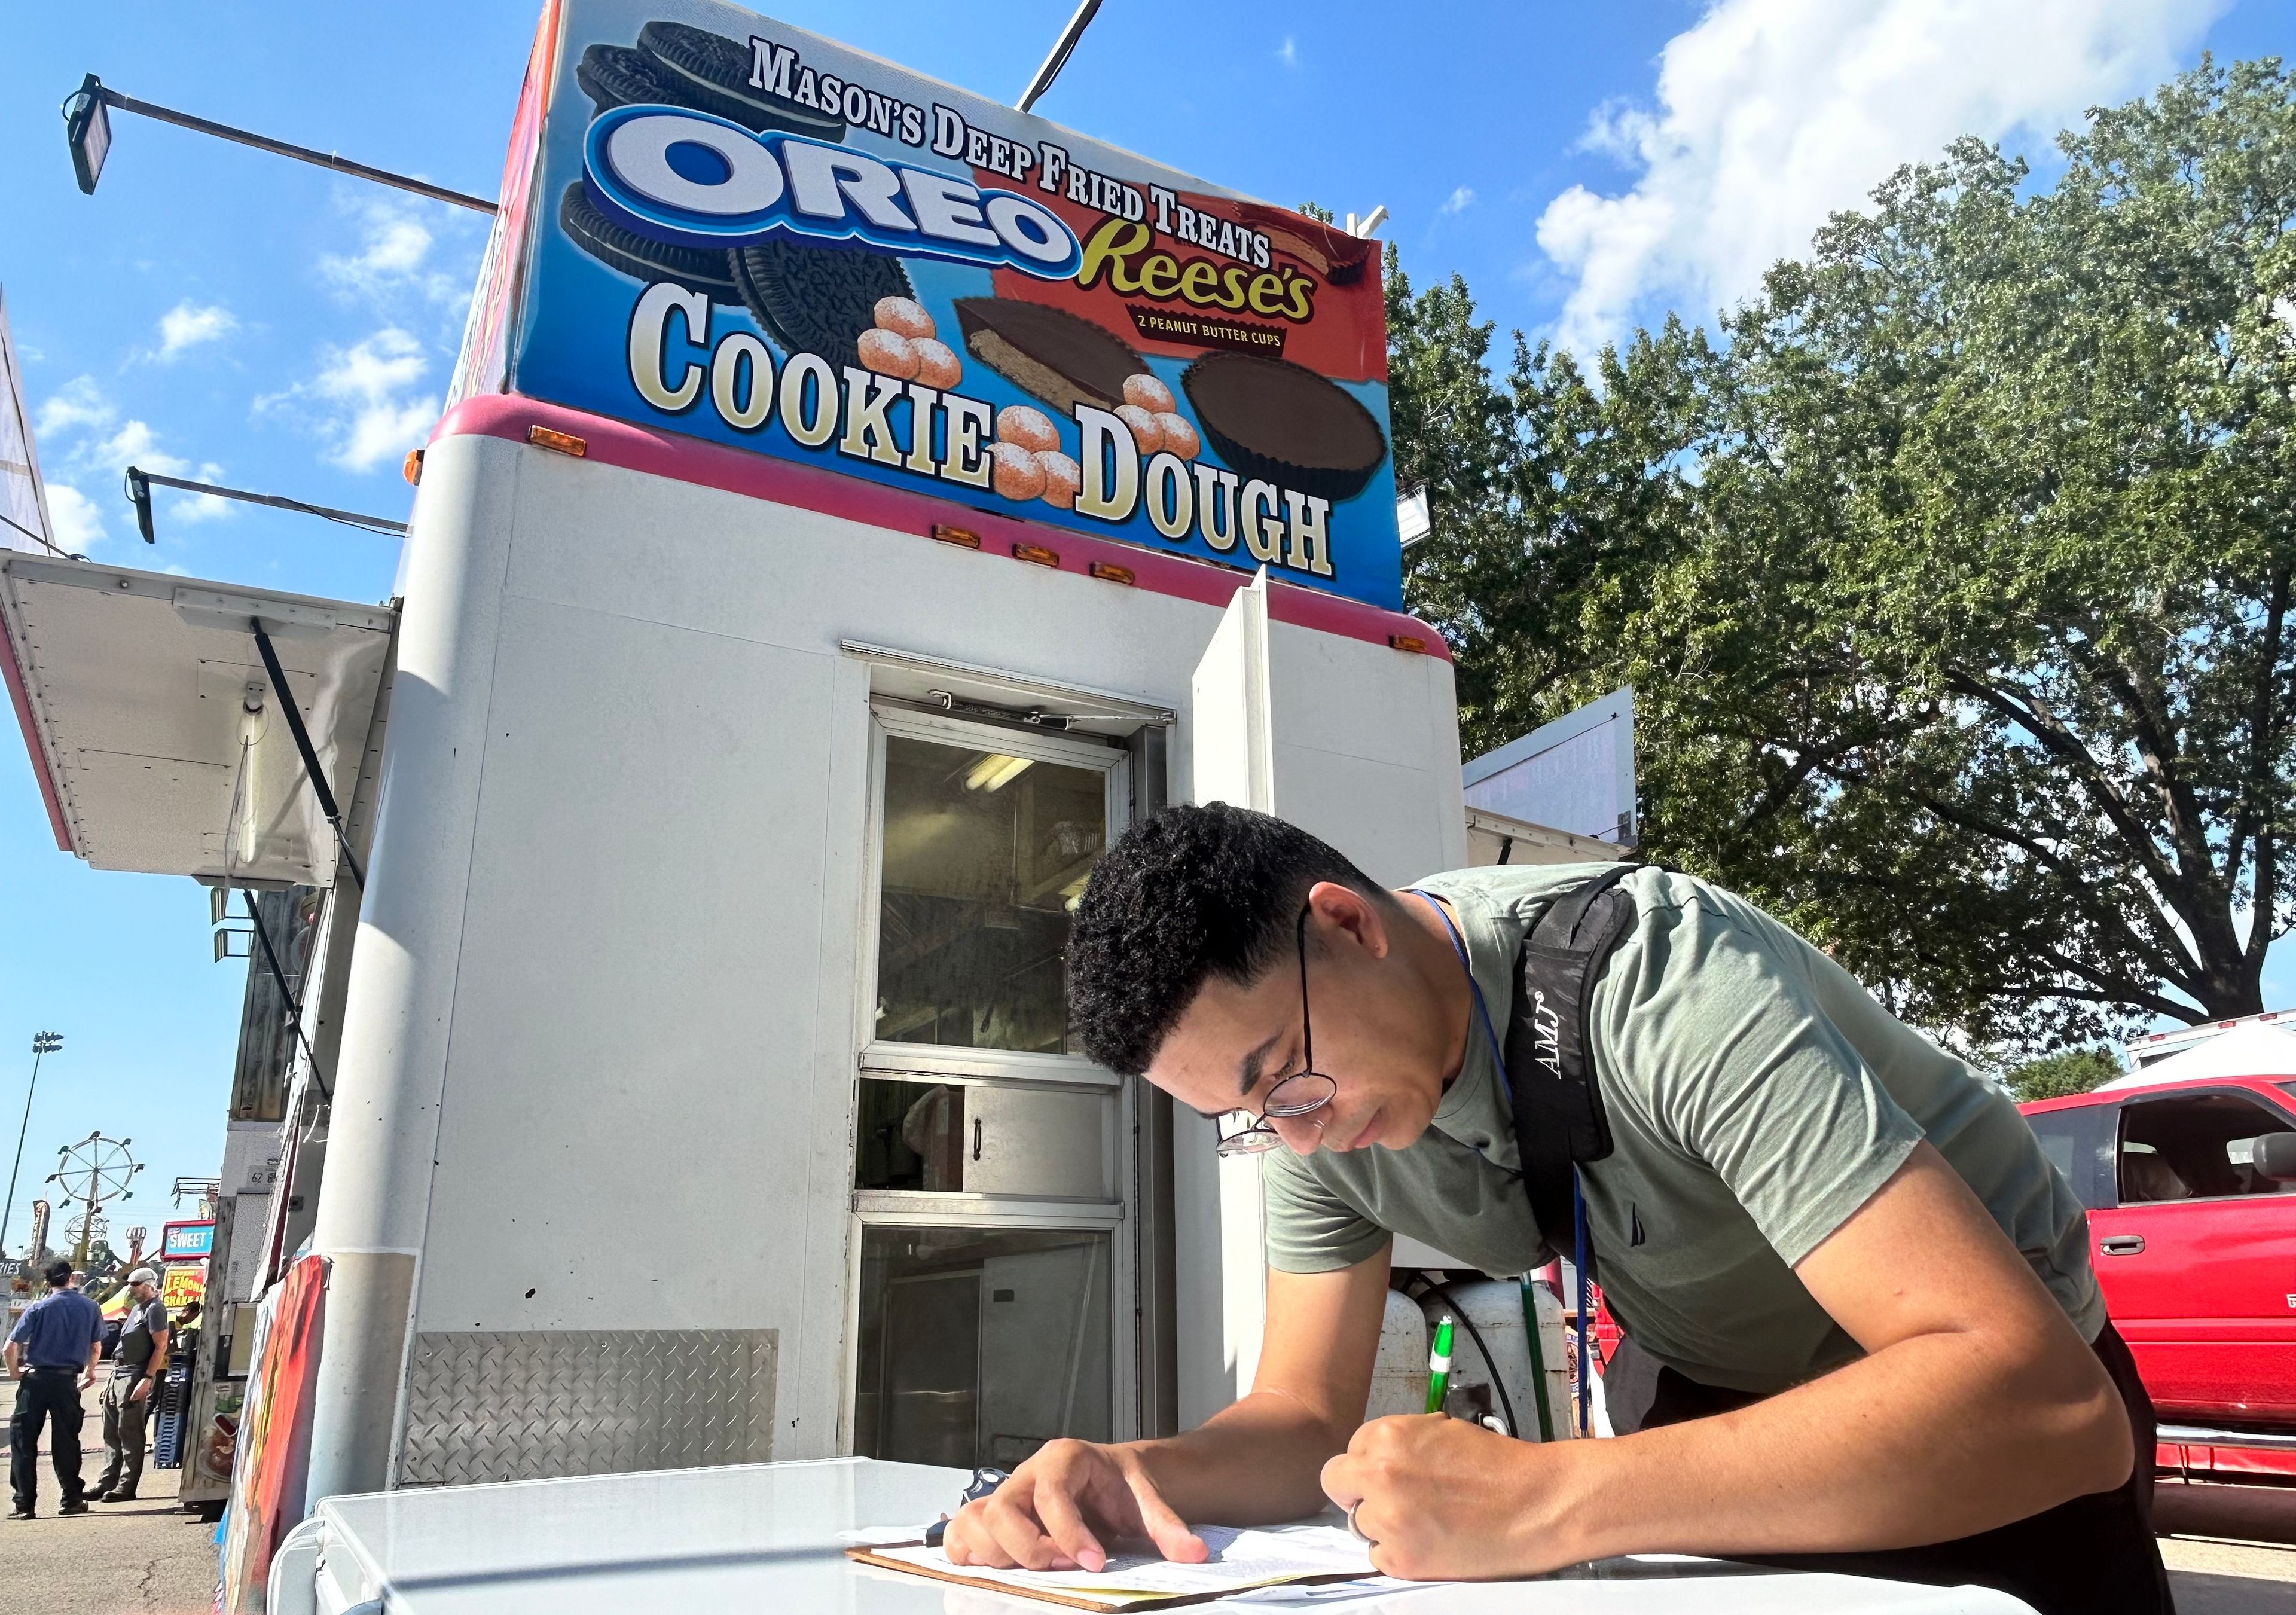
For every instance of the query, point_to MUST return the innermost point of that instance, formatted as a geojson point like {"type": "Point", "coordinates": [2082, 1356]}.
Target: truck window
{"type": "Point", "coordinates": [2196, 1146]}
{"type": "Point", "coordinates": [2079, 1142]}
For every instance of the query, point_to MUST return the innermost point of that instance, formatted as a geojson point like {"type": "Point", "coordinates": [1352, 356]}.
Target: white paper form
{"type": "Point", "coordinates": [1240, 1559]}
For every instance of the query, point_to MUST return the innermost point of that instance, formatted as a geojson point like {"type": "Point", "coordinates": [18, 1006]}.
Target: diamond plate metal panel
{"type": "Point", "coordinates": [528, 1404]}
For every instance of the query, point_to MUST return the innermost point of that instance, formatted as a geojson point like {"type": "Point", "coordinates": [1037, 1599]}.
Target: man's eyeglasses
{"type": "Point", "coordinates": [1302, 1093]}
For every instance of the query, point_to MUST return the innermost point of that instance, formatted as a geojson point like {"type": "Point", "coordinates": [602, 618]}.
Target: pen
{"type": "Point", "coordinates": [1438, 1367]}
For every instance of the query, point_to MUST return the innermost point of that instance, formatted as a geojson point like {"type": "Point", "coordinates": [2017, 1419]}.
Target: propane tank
{"type": "Point", "coordinates": [1496, 1308]}
{"type": "Point", "coordinates": [1398, 1374]}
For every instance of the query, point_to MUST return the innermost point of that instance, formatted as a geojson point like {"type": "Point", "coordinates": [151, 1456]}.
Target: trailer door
{"type": "Point", "coordinates": [994, 1174]}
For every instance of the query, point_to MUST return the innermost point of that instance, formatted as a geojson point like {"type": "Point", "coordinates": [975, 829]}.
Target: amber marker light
{"type": "Point", "coordinates": [1409, 642]}
{"type": "Point", "coordinates": [1036, 554]}
{"type": "Point", "coordinates": [1112, 571]}
{"type": "Point", "coordinates": [412, 467]}
{"type": "Point", "coordinates": [560, 442]}
{"type": "Point", "coordinates": [964, 537]}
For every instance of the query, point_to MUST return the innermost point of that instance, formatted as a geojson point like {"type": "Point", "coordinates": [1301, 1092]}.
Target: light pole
{"type": "Point", "coordinates": [42, 1043]}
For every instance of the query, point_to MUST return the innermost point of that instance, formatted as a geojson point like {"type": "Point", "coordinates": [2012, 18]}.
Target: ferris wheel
{"type": "Point", "coordinates": [92, 1174]}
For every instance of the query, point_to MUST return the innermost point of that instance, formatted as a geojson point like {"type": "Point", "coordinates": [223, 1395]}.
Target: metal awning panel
{"type": "Point", "coordinates": [134, 689]}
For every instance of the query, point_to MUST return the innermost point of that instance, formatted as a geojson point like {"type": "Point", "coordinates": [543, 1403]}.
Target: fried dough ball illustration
{"type": "Point", "coordinates": [1146, 392]}
{"type": "Point", "coordinates": [888, 353]}
{"type": "Point", "coordinates": [1142, 424]}
{"type": "Point", "coordinates": [1016, 473]}
{"type": "Point", "coordinates": [904, 316]}
{"type": "Point", "coordinates": [1027, 428]}
{"type": "Point", "coordinates": [938, 364]}
{"type": "Point", "coordinates": [1062, 478]}
{"type": "Point", "coordinates": [1178, 436]}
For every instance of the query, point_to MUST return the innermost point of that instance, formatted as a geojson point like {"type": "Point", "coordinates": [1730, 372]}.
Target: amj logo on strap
{"type": "Point", "coordinates": [704, 181]}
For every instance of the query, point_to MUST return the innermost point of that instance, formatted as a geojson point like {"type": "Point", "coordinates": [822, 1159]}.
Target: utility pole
{"type": "Point", "coordinates": [42, 1043]}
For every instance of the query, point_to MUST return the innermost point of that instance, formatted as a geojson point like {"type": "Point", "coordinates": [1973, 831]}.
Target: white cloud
{"type": "Point", "coordinates": [201, 507]}
{"type": "Point", "coordinates": [1772, 114]}
{"type": "Point", "coordinates": [374, 412]}
{"type": "Point", "coordinates": [187, 325]}
{"type": "Point", "coordinates": [394, 255]}
{"type": "Point", "coordinates": [83, 425]}
{"type": "Point", "coordinates": [78, 522]}
{"type": "Point", "coordinates": [1458, 202]}
{"type": "Point", "coordinates": [81, 418]}
{"type": "Point", "coordinates": [79, 402]}
{"type": "Point", "coordinates": [1288, 52]}
{"type": "Point", "coordinates": [134, 444]}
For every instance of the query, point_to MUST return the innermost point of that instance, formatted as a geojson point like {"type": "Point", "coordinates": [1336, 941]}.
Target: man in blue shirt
{"type": "Point", "coordinates": [51, 1355]}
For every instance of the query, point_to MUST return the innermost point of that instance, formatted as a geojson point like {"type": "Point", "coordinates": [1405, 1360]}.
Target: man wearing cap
{"type": "Point", "coordinates": [133, 1388]}
{"type": "Point", "coordinates": [51, 1355]}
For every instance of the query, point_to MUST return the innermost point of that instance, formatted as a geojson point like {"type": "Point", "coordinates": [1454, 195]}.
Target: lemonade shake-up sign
{"type": "Point", "coordinates": [743, 233]}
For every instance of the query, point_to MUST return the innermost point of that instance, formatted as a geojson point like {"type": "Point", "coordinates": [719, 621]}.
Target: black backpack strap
{"type": "Point", "coordinates": [1559, 1120]}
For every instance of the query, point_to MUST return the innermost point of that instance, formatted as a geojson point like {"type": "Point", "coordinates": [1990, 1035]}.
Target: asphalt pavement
{"type": "Point", "coordinates": [148, 1555]}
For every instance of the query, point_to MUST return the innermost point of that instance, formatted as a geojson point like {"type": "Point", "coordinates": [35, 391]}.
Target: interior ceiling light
{"type": "Point", "coordinates": [994, 772]}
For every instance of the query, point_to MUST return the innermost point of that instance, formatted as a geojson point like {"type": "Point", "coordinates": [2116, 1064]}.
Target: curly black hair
{"type": "Point", "coordinates": [1192, 892]}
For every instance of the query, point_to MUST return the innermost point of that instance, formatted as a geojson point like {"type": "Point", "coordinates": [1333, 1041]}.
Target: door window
{"type": "Point", "coordinates": [985, 855]}
{"type": "Point", "coordinates": [2079, 1142]}
{"type": "Point", "coordinates": [2194, 1146]}
{"type": "Point", "coordinates": [980, 1345]}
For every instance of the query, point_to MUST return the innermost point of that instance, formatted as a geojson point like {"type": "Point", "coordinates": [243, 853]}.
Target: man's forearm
{"type": "Point", "coordinates": [1931, 1439]}
{"type": "Point", "coordinates": [1254, 1462]}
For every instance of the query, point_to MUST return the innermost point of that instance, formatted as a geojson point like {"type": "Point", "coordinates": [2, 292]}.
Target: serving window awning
{"type": "Point", "coordinates": [152, 725]}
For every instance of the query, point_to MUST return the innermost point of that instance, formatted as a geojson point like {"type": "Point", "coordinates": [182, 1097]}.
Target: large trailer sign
{"type": "Point", "coordinates": [745, 233]}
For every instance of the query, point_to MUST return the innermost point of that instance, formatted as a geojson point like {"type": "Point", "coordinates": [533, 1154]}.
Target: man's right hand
{"type": "Point", "coordinates": [1062, 1507]}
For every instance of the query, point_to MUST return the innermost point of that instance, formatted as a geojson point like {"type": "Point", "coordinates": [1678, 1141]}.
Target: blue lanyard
{"type": "Point", "coordinates": [1578, 1190]}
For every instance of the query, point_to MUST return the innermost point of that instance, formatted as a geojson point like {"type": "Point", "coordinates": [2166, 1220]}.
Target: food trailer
{"type": "Point", "coordinates": [858, 501]}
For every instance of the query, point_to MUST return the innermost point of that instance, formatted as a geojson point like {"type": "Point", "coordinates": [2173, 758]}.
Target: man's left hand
{"type": "Point", "coordinates": [142, 1387]}
{"type": "Point", "coordinates": [1443, 1500]}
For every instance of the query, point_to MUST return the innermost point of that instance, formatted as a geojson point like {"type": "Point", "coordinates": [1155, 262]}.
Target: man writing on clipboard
{"type": "Point", "coordinates": [1862, 1330]}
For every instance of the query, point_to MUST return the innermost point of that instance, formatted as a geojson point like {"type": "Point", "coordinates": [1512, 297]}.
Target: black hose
{"type": "Point", "coordinates": [1498, 1381]}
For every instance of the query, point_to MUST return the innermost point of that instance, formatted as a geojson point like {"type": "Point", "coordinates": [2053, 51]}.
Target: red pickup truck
{"type": "Point", "coordinates": [2188, 1170]}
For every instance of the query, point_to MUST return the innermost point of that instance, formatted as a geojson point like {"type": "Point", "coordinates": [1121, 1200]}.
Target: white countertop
{"type": "Point", "coordinates": [761, 1538]}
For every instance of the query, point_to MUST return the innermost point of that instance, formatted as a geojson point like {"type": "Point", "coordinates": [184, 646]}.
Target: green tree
{"type": "Point", "coordinates": [2066, 1071]}
{"type": "Point", "coordinates": [1953, 584]}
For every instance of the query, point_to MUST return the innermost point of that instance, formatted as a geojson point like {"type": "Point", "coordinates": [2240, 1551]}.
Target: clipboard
{"type": "Point", "coordinates": [1069, 1600]}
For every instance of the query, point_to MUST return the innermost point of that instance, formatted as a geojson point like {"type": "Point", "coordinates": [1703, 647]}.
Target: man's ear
{"type": "Point", "coordinates": [1344, 917]}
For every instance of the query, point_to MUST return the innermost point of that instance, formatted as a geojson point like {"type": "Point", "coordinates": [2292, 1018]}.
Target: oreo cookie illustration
{"type": "Point", "coordinates": [704, 269]}
{"type": "Point", "coordinates": [617, 76]}
{"type": "Point", "coordinates": [1058, 357]}
{"type": "Point", "coordinates": [817, 299]}
{"type": "Point", "coordinates": [1272, 419]}
{"type": "Point", "coordinates": [711, 72]}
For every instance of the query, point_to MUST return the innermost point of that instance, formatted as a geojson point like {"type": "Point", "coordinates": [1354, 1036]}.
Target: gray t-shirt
{"type": "Point", "coordinates": [1757, 1096]}
{"type": "Point", "coordinates": [138, 1329]}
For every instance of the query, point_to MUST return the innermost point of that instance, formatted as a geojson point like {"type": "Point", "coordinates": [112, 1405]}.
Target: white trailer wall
{"type": "Point", "coordinates": [599, 1046]}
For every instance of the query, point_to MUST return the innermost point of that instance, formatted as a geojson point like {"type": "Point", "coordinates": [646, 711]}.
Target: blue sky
{"type": "Point", "coordinates": [228, 314]}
